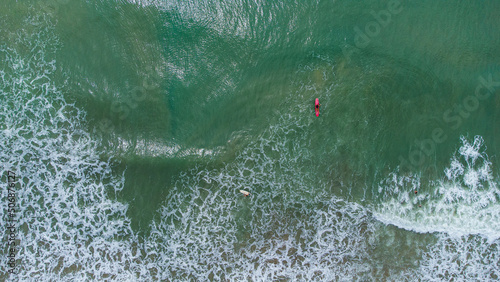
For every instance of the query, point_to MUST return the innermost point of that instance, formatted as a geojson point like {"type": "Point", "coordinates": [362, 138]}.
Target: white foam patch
{"type": "Point", "coordinates": [464, 203]}
{"type": "Point", "coordinates": [165, 149]}
{"type": "Point", "coordinates": [468, 258]}
{"type": "Point", "coordinates": [68, 227]}
{"type": "Point", "coordinates": [286, 229]}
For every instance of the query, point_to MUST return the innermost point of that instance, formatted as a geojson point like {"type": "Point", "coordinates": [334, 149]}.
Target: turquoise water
{"type": "Point", "coordinates": [132, 126]}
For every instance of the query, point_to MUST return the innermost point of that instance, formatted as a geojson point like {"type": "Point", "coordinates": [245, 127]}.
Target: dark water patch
{"type": "Point", "coordinates": [147, 183]}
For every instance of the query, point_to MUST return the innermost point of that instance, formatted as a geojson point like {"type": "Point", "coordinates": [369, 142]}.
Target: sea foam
{"type": "Point", "coordinates": [68, 225]}
{"type": "Point", "coordinates": [461, 211]}
{"type": "Point", "coordinates": [464, 202]}
{"type": "Point", "coordinates": [286, 228]}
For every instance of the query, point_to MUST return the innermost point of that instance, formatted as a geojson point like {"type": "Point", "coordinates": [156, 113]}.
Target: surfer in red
{"type": "Point", "coordinates": [316, 107]}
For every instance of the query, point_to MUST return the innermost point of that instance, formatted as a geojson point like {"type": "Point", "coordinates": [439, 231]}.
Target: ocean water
{"type": "Point", "coordinates": [131, 126]}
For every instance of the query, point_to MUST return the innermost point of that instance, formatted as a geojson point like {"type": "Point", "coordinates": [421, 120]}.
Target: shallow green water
{"type": "Point", "coordinates": [183, 103]}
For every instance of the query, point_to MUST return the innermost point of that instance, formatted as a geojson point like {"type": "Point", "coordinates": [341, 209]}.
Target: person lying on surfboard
{"type": "Point", "coordinates": [316, 106]}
